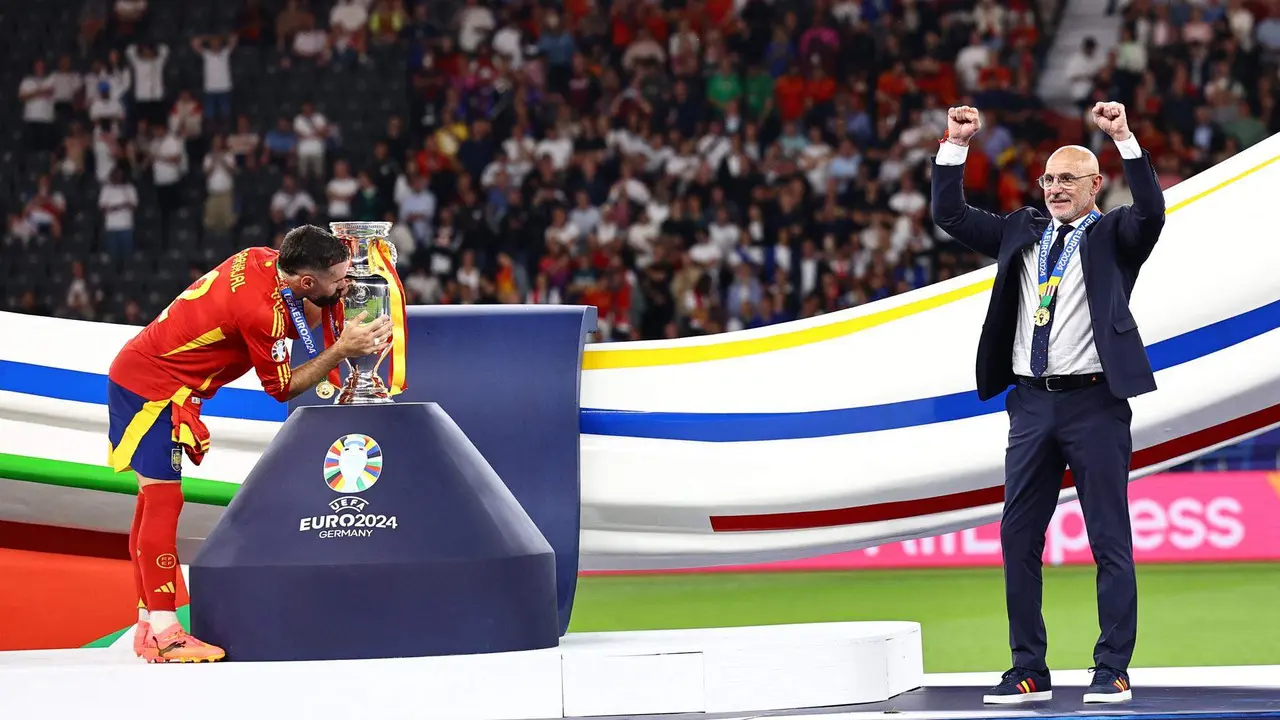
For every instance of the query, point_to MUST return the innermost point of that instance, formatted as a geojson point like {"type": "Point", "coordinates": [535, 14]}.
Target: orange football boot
{"type": "Point", "coordinates": [173, 644]}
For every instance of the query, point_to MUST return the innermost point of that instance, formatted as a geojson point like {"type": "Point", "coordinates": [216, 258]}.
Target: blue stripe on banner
{"type": "Point", "coordinates": [742, 427]}
{"type": "Point", "coordinates": [705, 427]}
{"type": "Point", "coordinates": [92, 388]}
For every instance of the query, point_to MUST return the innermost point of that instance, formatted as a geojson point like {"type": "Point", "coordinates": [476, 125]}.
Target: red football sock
{"type": "Point", "coordinates": [138, 586]}
{"type": "Point", "coordinates": [158, 545]}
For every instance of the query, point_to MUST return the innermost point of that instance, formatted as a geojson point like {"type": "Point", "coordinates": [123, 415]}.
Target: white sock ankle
{"type": "Point", "coordinates": [143, 615]}
{"type": "Point", "coordinates": [161, 619]}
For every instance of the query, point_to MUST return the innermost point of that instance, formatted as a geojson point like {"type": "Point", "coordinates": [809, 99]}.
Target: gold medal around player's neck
{"type": "Point", "coordinates": [1042, 316]}
{"type": "Point", "coordinates": [325, 389]}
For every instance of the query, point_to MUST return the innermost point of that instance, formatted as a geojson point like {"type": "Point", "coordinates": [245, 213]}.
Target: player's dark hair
{"type": "Point", "coordinates": [308, 247]}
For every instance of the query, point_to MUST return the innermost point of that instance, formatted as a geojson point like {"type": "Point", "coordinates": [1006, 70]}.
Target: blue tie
{"type": "Point", "coordinates": [1040, 335]}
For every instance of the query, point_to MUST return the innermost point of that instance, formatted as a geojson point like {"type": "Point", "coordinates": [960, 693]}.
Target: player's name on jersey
{"type": "Point", "coordinates": [237, 269]}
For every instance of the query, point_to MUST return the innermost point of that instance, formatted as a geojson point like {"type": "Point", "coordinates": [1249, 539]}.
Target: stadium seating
{"type": "Point", "coordinates": [816, 122]}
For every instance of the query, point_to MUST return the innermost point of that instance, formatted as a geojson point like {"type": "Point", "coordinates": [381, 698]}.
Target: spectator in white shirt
{"type": "Point", "coordinates": [106, 149]}
{"type": "Point", "coordinates": [348, 23]}
{"type": "Point", "coordinates": [66, 89]}
{"type": "Point", "coordinates": [216, 55]}
{"type": "Point", "coordinates": [112, 72]}
{"type": "Point", "coordinates": [843, 168]}
{"type": "Point", "coordinates": [908, 200]}
{"type": "Point", "coordinates": [36, 94]}
{"type": "Point", "coordinates": [418, 210]}
{"type": "Point", "coordinates": [558, 146]}
{"type": "Point", "coordinates": [340, 191]}
{"type": "Point", "coordinates": [148, 80]}
{"type": "Point", "coordinates": [312, 130]}
{"type": "Point", "coordinates": [971, 60]}
{"type": "Point", "coordinates": [584, 216]}
{"type": "Point", "coordinates": [813, 161]}
{"type": "Point", "coordinates": [105, 105]}
{"type": "Point", "coordinates": [186, 120]}
{"type": "Point", "coordinates": [310, 42]}
{"type": "Point", "coordinates": [244, 143]}
{"type": "Point", "coordinates": [475, 22]}
{"type": "Point", "coordinates": [118, 200]}
{"type": "Point", "coordinates": [1081, 69]}
{"type": "Point", "coordinates": [291, 206]}
{"type": "Point", "coordinates": [82, 297]}
{"type": "Point", "coordinates": [561, 231]}
{"type": "Point", "coordinates": [169, 164]}
{"type": "Point", "coordinates": [220, 186]}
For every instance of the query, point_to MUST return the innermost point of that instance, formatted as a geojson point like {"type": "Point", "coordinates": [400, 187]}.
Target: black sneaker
{"type": "Point", "coordinates": [1020, 685]}
{"type": "Point", "coordinates": [1109, 686]}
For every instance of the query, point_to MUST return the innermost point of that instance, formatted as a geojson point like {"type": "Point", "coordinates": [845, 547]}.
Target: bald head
{"type": "Point", "coordinates": [1074, 159]}
{"type": "Point", "coordinates": [1075, 183]}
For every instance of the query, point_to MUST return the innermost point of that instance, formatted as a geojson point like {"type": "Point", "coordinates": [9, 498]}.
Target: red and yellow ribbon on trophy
{"type": "Point", "coordinates": [382, 263]}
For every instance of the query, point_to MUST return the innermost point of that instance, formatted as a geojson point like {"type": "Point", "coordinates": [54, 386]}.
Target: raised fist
{"type": "Point", "coordinates": [962, 124]}
{"type": "Point", "coordinates": [1111, 119]}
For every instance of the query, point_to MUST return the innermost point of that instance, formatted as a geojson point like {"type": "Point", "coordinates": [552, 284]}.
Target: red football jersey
{"type": "Point", "coordinates": [229, 321]}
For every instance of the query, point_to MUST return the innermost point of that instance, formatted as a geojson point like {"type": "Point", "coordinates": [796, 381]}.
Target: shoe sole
{"type": "Point", "coordinates": [1108, 697]}
{"type": "Point", "coordinates": [161, 661]}
{"type": "Point", "coordinates": [1018, 699]}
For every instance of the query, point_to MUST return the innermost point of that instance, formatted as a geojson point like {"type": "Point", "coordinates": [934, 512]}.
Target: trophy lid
{"type": "Point", "coordinates": [360, 230]}
{"type": "Point", "coordinates": [360, 236]}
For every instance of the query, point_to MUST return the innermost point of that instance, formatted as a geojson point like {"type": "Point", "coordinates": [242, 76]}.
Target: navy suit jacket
{"type": "Point", "coordinates": [1112, 251]}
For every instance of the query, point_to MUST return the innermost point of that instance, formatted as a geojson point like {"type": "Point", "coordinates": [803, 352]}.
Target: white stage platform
{"type": "Point", "coordinates": [758, 668]}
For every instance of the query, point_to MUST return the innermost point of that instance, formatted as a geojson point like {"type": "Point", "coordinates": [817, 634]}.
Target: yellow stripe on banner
{"type": "Point", "coordinates": [600, 358]}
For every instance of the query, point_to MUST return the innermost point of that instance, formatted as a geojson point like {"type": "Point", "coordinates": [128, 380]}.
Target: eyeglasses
{"type": "Point", "coordinates": [1066, 180]}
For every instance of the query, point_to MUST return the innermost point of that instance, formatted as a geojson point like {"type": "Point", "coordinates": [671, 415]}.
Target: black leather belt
{"type": "Point", "coordinates": [1057, 383]}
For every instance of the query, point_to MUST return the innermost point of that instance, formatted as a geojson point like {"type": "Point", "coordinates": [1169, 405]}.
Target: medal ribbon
{"type": "Point", "coordinates": [1049, 283]}
{"type": "Point", "coordinates": [304, 333]}
{"type": "Point", "coordinates": [383, 266]}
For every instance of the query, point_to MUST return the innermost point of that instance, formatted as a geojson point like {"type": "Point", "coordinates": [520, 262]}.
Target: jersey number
{"type": "Point", "coordinates": [197, 289]}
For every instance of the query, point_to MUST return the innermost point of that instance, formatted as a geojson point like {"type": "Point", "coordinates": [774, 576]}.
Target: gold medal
{"type": "Point", "coordinates": [1042, 316]}
{"type": "Point", "coordinates": [325, 389]}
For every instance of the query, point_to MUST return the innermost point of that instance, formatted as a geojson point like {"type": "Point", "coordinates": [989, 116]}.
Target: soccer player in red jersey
{"type": "Point", "coordinates": [235, 318]}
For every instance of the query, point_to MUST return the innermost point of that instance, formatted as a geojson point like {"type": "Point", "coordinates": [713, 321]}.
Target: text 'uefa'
{"type": "Point", "coordinates": [348, 519]}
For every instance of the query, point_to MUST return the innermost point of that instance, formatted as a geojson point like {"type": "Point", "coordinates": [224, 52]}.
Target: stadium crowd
{"type": "Point", "coordinates": [688, 167]}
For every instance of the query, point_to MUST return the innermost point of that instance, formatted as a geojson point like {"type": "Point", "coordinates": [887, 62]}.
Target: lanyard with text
{"type": "Point", "coordinates": [299, 321]}
{"type": "Point", "coordinates": [325, 388]}
{"type": "Point", "coordinates": [1049, 282]}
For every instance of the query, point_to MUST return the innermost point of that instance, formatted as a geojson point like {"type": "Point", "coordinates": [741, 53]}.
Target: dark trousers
{"type": "Point", "coordinates": [1087, 429]}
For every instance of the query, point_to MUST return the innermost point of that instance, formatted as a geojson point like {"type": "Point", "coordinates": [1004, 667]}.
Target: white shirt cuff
{"type": "Point", "coordinates": [950, 153]}
{"type": "Point", "coordinates": [1129, 148]}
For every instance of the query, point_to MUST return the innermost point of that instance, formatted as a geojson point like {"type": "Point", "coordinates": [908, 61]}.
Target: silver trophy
{"type": "Point", "coordinates": [369, 293]}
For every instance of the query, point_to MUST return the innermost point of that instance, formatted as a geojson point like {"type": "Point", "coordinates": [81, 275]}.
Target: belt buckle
{"type": "Point", "coordinates": [1048, 384]}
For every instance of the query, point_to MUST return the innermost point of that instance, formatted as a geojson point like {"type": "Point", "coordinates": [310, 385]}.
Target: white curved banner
{"type": "Point", "coordinates": [833, 433]}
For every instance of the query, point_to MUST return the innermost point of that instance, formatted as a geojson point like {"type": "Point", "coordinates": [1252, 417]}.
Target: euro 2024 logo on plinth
{"type": "Point", "coordinates": [352, 465]}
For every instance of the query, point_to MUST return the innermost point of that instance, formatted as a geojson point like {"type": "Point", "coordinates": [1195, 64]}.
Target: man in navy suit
{"type": "Point", "coordinates": [1059, 330]}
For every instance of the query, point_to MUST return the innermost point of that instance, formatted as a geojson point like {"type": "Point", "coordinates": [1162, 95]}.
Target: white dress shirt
{"type": "Point", "coordinates": [148, 74]}
{"type": "Point", "coordinates": [1071, 348]}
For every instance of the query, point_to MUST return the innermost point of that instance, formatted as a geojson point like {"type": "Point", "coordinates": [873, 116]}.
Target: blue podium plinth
{"type": "Point", "coordinates": [371, 531]}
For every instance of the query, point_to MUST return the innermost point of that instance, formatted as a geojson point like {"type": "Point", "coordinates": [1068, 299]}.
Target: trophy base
{"type": "Point", "coordinates": [366, 392]}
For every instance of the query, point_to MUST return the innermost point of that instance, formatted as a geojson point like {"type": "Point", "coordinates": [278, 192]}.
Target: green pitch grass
{"type": "Point", "coordinates": [1204, 614]}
